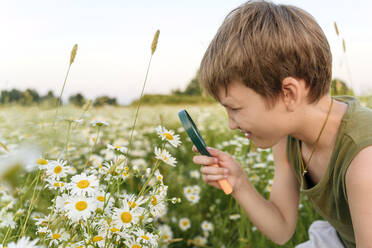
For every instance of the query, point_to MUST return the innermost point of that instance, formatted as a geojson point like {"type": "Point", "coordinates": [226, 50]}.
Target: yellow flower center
{"type": "Point", "coordinates": [185, 223]}
{"type": "Point", "coordinates": [41, 161]}
{"type": "Point", "coordinates": [81, 205]}
{"type": "Point", "coordinates": [136, 246]}
{"type": "Point", "coordinates": [114, 229]}
{"type": "Point", "coordinates": [58, 169]}
{"type": "Point", "coordinates": [56, 235]}
{"type": "Point", "coordinates": [101, 198]}
{"type": "Point", "coordinates": [117, 147]}
{"type": "Point", "coordinates": [145, 237]}
{"type": "Point", "coordinates": [159, 178]}
{"type": "Point", "coordinates": [126, 217]}
{"type": "Point", "coordinates": [132, 204]}
{"type": "Point", "coordinates": [97, 238]}
{"type": "Point", "coordinates": [154, 200]}
{"type": "Point", "coordinates": [83, 184]}
{"type": "Point", "coordinates": [57, 184]}
{"type": "Point", "coordinates": [165, 237]}
{"type": "Point", "coordinates": [125, 174]}
{"type": "Point", "coordinates": [192, 197]}
{"type": "Point", "coordinates": [168, 136]}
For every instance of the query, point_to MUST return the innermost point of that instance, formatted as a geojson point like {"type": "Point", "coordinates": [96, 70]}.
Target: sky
{"type": "Point", "coordinates": [114, 39]}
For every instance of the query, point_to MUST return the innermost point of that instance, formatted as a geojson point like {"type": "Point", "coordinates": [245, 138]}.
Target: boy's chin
{"type": "Point", "coordinates": [262, 144]}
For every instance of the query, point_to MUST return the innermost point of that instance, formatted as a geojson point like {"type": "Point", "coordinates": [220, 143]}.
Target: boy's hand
{"type": "Point", "coordinates": [229, 168]}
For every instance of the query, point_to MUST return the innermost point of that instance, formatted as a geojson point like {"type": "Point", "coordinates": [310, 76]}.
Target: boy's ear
{"type": "Point", "coordinates": [293, 92]}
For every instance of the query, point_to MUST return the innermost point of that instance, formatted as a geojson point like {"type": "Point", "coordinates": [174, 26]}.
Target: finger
{"type": "Point", "coordinates": [214, 184]}
{"type": "Point", "coordinates": [214, 170]}
{"type": "Point", "coordinates": [204, 160]}
{"type": "Point", "coordinates": [217, 153]}
{"type": "Point", "coordinates": [211, 178]}
{"type": "Point", "coordinates": [194, 149]}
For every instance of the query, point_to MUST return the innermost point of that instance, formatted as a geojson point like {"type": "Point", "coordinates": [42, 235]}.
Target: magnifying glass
{"type": "Point", "coordinates": [196, 138]}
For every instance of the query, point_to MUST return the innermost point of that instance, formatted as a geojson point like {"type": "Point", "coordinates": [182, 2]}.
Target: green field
{"type": "Point", "coordinates": [204, 218]}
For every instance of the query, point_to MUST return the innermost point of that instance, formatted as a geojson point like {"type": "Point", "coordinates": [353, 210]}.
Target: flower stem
{"type": "Point", "coordinates": [95, 142]}
{"type": "Point", "coordinates": [138, 106]}
{"type": "Point", "coordinates": [60, 95]}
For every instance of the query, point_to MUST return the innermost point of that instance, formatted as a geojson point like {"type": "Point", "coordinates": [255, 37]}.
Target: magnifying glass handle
{"type": "Point", "coordinates": [224, 184]}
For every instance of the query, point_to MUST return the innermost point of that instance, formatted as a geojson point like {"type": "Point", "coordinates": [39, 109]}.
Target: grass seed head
{"type": "Point", "coordinates": [87, 105]}
{"type": "Point", "coordinates": [73, 54]}
{"type": "Point", "coordinates": [155, 41]}
{"type": "Point", "coordinates": [336, 28]}
{"type": "Point", "coordinates": [344, 45]}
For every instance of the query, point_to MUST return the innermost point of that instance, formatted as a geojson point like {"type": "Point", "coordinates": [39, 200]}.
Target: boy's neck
{"type": "Point", "coordinates": [312, 121]}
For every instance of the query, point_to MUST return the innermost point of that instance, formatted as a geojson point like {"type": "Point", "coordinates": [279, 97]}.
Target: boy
{"type": "Point", "coordinates": [270, 66]}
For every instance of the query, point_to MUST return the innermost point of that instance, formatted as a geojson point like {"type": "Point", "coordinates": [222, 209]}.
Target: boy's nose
{"type": "Point", "coordinates": [232, 124]}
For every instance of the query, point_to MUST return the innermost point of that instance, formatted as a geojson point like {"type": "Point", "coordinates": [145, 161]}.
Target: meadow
{"type": "Point", "coordinates": [44, 194]}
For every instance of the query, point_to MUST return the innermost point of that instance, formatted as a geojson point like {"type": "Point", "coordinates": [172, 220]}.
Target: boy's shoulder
{"type": "Point", "coordinates": [357, 120]}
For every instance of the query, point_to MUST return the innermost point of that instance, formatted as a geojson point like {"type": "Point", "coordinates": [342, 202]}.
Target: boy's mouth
{"type": "Point", "coordinates": [247, 134]}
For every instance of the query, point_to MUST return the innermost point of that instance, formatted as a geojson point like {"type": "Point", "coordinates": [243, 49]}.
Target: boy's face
{"type": "Point", "coordinates": [246, 111]}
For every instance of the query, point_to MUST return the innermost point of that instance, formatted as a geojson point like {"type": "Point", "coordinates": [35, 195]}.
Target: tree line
{"type": "Point", "coordinates": [32, 97]}
{"type": "Point", "coordinates": [192, 93]}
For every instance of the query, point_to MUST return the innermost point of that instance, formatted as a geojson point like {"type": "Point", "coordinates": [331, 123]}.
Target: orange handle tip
{"type": "Point", "coordinates": [224, 184]}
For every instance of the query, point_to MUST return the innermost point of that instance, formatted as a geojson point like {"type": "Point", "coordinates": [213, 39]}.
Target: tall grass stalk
{"type": "Point", "coordinates": [345, 55]}
{"type": "Point", "coordinates": [153, 49]}
{"type": "Point", "coordinates": [72, 58]}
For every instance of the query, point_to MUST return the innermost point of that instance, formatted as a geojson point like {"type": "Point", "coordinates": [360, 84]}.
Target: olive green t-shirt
{"type": "Point", "coordinates": [329, 196]}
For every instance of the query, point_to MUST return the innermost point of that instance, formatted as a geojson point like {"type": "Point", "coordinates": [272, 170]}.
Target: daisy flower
{"type": "Point", "coordinates": [146, 237]}
{"type": "Point", "coordinates": [195, 174]}
{"type": "Point", "coordinates": [100, 200]}
{"type": "Point", "coordinates": [207, 226]}
{"type": "Point", "coordinates": [193, 198]}
{"type": "Point", "coordinates": [200, 241]}
{"type": "Point", "coordinates": [106, 228]}
{"type": "Point", "coordinates": [187, 190]}
{"type": "Point", "coordinates": [6, 220]}
{"type": "Point", "coordinates": [83, 185]}
{"type": "Point", "coordinates": [133, 203]}
{"type": "Point", "coordinates": [234, 216]}
{"type": "Point", "coordinates": [117, 149]}
{"type": "Point", "coordinates": [99, 123]}
{"type": "Point", "coordinates": [126, 216]}
{"type": "Point", "coordinates": [157, 209]}
{"type": "Point", "coordinates": [159, 176]}
{"type": "Point", "coordinates": [57, 169]}
{"type": "Point", "coordinates": [168, 135]}
{"type": "Point", "coordinates": [55, 184]}
{"type": "Point", "coordinates": [61, 202]}
{"type": "Point", "coordinates": [58, 237]}
{"type": "Point", "coordinates": [131, 242]}
{"type": "Point", "coordinates": [79, 207]}
{"type": "Point", "coordinates": [195, 189]}
{"type": "Point", "coordinates": [24, 242]}
{"type": "Point", "coordinates": [165, 156]}
{"type": "Point", "coordinates": [184, 224]}
{"type": "Point", "coordinates": [165, 233]}
{"type": "Point", "coordinates": [39, 163]}
{"type": "Point", "coordinates": [99, 240]}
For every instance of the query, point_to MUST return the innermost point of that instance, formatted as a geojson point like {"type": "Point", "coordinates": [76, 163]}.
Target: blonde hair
{"type": "Point", "coordinates": [261, 43]}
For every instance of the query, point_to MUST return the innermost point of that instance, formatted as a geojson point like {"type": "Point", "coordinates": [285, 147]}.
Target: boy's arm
{"type": "Point", "coordinates": [276, 218]}
{"type": "Point", "coordinates": [359, 194]}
